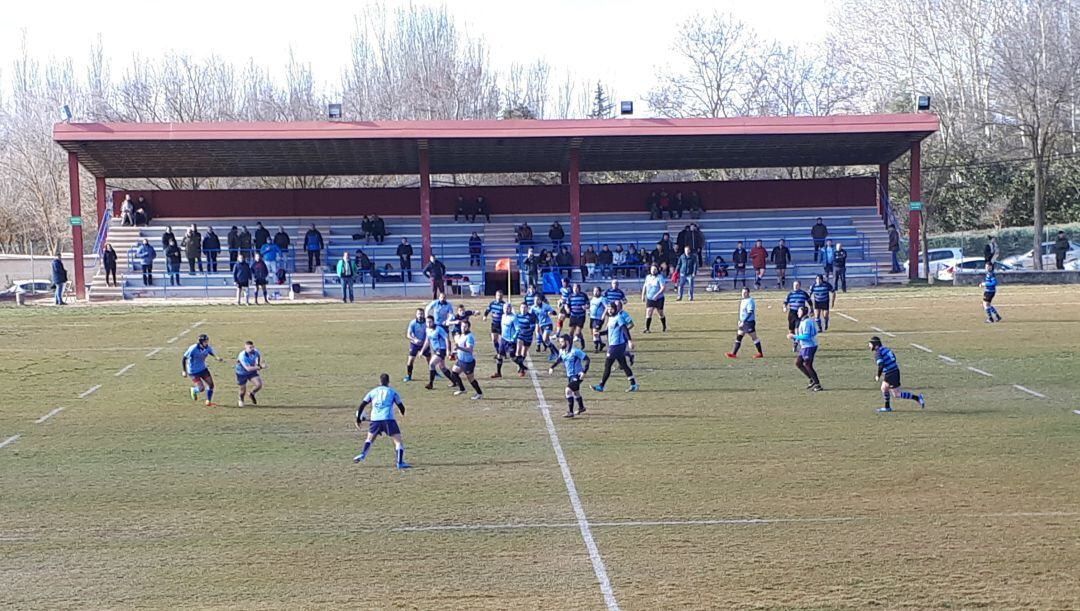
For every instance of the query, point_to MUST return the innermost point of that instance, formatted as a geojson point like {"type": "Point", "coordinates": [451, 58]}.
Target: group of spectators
{"type": "Point", "coordinates": [372, 228]}
{"type": "Point", "coordinates": [135, 214]}
{"type": "Point", "coordinates": [660, 203]}
{"type": "Point", "coordinates": [469, 211]}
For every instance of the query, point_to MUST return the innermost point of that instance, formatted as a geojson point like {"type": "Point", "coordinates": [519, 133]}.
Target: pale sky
{"type": "Point", "coordinates": [622, 42]}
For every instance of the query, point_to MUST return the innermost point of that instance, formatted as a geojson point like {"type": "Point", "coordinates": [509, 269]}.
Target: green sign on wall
{"type": "Point", "coordinates": [76, 221]}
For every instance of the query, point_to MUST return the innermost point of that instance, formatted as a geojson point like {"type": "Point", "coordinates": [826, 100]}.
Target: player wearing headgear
{"type": "Point", "coordinates": [438, 342]}
{"type": "Point", "coordinates": [248, 365]}
{"type": "Point", "coordinates": [466, 361]}
{"type": "Point", "coordinates": [619, 324]}
{"type": "Point", "coordinates": [747, 325]}
{"type": "Point", "coordinates": [806, 337]}
{"type": "Point", "coordinates": [577, 305]}
{"type": "Point", "coordinates": [888, 373]}
{"type": "Point", "coordinates": [819, 294]}
{"type": "Point", "coordinates": [193, 365]}
{"type": "Point", "coordinates": [796, 299]}
{"type": "Point", "coordinates": [989, 287]}
{"type": "Point", "coordinates": [652, 293]}
{"type": "Point", "coordinates": [382, 399]}
{"type": "Point", "coordinates": [416, 332]}
{"type": "Point", "coordinates": [576, 363]}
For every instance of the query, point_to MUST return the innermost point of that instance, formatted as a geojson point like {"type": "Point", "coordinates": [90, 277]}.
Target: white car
{"type": "Point", "coordinates": [1025, 260]}
{"type": "Point", "coordinates": [29, 287]}
{"type": "Point", "coordinates": [940, 258]}
{"type": "Point", "coordinates": [970, 265]}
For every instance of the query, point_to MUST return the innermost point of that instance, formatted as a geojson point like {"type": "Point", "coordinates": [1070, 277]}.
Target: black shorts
{"type": "Point", "coordinates": [748, 326]}
{"type": "Point", "coordinates": [657, 303]}
{"type": "Point", "coordinates": [577, 321]}
{"type": "Point", "coordinates": [414, 349]}
{"type": "Point", "coordinates": [821, 305]}
{"type": "Point", "coordinates": [261, 282]}
{"type": "Point", "coordinates": [441, 354]}
{"type": "Point", "coordinates": [496, 327]}
{"type": "Point", "coordinates": [792, 320]}
{"type": "Point", "coordinates": [241, 285]}
{"type": "Point", "coordinates": [574, 384]}
{"type": "Point", "coordinates": [828, 268]}
{"type": "Point", "coordinates": [467, 368]}
{"type": "Point", "coordinates": [780, 267]}
{"type": "Point", "coordinates": [988, 297]}
{"type": "Point", "coordinates": [892, 378]}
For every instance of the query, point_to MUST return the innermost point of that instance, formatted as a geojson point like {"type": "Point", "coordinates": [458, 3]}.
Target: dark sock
{"type": "Point", "coordinates": [401, 454]}
{"type": "Point", "coordinates": [907, 395]}
{"type": "Point", "coordinates": [757, 344]}
{"type": "Point", "coordinates": [495, 345]}
{"type": "Point", "coordinates": [367, 446]}
{"type": "Point", "coordinates": [581, 403]}
{"type": "Point", "coordinates": [887, 395]}
{"type": "Point", "coordinates": [431, 377]}
{"type": "Point", "coordinates": [738, 344]}
{"type": "Point", "coordinates": [476, 387]}
{"type": "Point", "coordinates": [457, 380]}
{"type": "Point", "coordinates": [209, 394]}
{"type": "Point", "coordinates": [648, 322]}
{"type": "Point", "coordinates": [447, 374]}
{"type": "Point", "coordinates": [408, 370]}
{"type": "Point", "coordinates": [663, 322]}
{"type": "Point", "coordinates": [632, 380]}
{"type": "Point", "coordinates": [570, 403]}
{"type": "Point", "coordinates": [498, 365]}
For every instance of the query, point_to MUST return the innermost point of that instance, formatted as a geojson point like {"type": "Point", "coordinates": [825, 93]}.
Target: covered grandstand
{"type": "Point", "coordinates": [594, 214]}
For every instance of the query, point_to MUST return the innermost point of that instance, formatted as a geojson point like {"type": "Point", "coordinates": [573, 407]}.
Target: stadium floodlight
{"type": "Point", "coordinates": [65, 113]}
{"type": "Point", "coordinates": [626, 107]}
{"type": "Point", "coordinates": [922, 102]}
{"type": "Point", "coordinates": [333, 111]}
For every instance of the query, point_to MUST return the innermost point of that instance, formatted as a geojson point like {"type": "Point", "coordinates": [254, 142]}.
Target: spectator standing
{"type": "Point", "coordinates": [108, 259]}
{"type": "Point", "coordinates": [665, 203]}
{"type": "Point", "coordinates": [841, 269]}
{"type": "Point", "coordinates": [283, 241]}
{"type": "Point", "coordinates": [668, 248]}
{"type": "Point", "coordinates": [145, 253]}
{"type": "Point", "coordinates": [260, 273]}
{"type": "Point", "coordinates": [173, 254]}
{"type": "Point", "coordinates": [556, 234]}
{"type": "Point", "coordinates": [531, 266]}
{"type": "Point", "coordinates": [211, 245]}
{"type": "Point", "coordinates": [476, 249]}
{"type": "Point", "coordinates": [781, 258]}
{"type": "Point", "coordinates": [1061, 249]}
{"type": "Point", "coordinates": [127, 212]}
{"type": "Point", "coordinates": [262, 236]}
{"type": "Point", "coordinates": [167, 237]}
{"type": "Point", "coordinates": [739, 258]}
{"type": "Point", "coordinates": [991, 251]}
{"type": "Point", "coordinates": [894, 248]}
{"type": "Point", "coordinates": [271, 258]}
{"type": "Point", "coordinates": [758, 259]}
{"type": "Point", "coordinates": [242, 278]}
{"type": "Point", "coordinates": [697, 242]}
{"type": "Point", "coordinates": [604, 260]}
{"type": "Point", "coordinates": [482, 209]}
{"type": "Point", "coordinates": [404, 255]}
{"type": "Point", "coordinates": [245, 243]}
{"type": "Point", "coordinates": [460, 209]}
{"type": "Point", "coordinates": [59, 280]}
{"type": "Point", "coordinates": [192, 246]}
{"type": "Point", "coordinates": [652, 204]}
{"type": "Point", "coordinates": [818, 233]}
{"type": "Point", "coordinates": [435, 271]}
{"type": "Point", "coordinates": [828, 259]}
{"type": "Point", "coordinates": [588, 261]}
{"type": "Point", "coordinates": [687, 268]}
{"type": "Point", "coordinates": [677, 204]}
{"type": "Point", "coordinates": [313, 245]}
{"type": "Point", "coordinates": [233, 240]}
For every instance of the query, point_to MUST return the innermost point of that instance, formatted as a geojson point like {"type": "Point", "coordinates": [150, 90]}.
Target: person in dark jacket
{"type": "Point", "coordinates": [108, 259]}
{"type": "Point", "coordinates": [687, 267]}
{"type": "Point", "coordinates": [481, 209]}
{"type": "Point", "coordinates": [818, 233]}
{"type": "Point", "coordinates": [245, 242]}
{"type": "Point", "coordinates": [678, 206]}
{"type": "Point", "coordinates": [436, 272]}
{"type": "Point", "coordinates": [146, 254]}
{"type": "Point", "coordinates": [167, 237]}
{"type": "Point", "coordinates": [668, 247]}
{"type": "Point", "coordinates": [693, 205]}
{"type": "Point", "coordinates": [364, 265]}
{"type": "Point", "coordinates": [476, 249]}
{"type": "Point", "coordinates": [260, 274]}
{"type": "Point", "coordinates": [604, 261]}
{"type": "Point", "coordinates": [313, 245]}
{"type": "Point", "coordinates": [531, 266]}
{"type": "Point", "coordinates": [282, 239]}
{"type": "Point", "coordinates": [565, 262]}
{"type": "Point", "coordinates": [211, 246]}
{"type": "Point", "coordinates": [556, 234]}
{"type": "Point", "coordinates": [242, 278]}
{"type": "Point", "coordinates": [460, 209]}
{"type": "Point", "coordinates": [652, 204]}
{"type": "Point", "coordinates": [780, 257]}
{"type": "Point", "coordinates": [378, 229]}
{"type": "Point", "coordinates": [262, 236]}
{"type": "Point", "coordinates": [404, 255]}
{"type": "Point", "coordinates": [840, 268]}
{"type": "Point", "coordinates": [173, 255]}
{"type": "Point", "coordinates": [1061, 250]}
{"type": "Point", "coordinates": [739, 259]}
{"type": "Point", "coordinates": [233, 240]}
{"type": "Point", "coordinates": [59, 280]}
{"type": "Point", "coordinates": [192, 246]}
{"type": "Point", "coordinates": [894, 248]}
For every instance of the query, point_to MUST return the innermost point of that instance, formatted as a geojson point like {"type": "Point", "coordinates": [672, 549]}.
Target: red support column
{"type": "Point", "coordinates": [575, 204]}
{"type": "Point", "coordinates": [76, 230]}
{"type": "Point", "coordinates": [99, 192]}
{"type": "Point", "coordinates": [425, 202]}
{"type": "Point", "coordinates": [915, 211]}
{"type": "Point", "coordinates": [883, 188]}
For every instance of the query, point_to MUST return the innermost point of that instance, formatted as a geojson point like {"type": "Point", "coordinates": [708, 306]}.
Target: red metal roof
{"type": "Point", "coordinates": [118, 150]}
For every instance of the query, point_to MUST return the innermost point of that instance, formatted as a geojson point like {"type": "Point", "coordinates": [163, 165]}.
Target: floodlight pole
{"type": "Point", "coordinates": [575, 203]}
{"type": "Point", "coordinates": [425, 201]}
{"type": "Point", "coordinates": [76, 228]}
{"type": "Point", "coordinates": [915, 210]}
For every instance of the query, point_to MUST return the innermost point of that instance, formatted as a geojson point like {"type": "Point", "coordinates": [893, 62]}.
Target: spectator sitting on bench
{"type": "Point", "coordinates": [565, 262]}
{"type": "Point", "coordinates": [365, 230]}
{"type": "Point", "coordinates": [127, 212]}
{"type": "Point", "coordinates": [719, 267]}
{"type": "Point", "coordinates": [481, 209]}
{"type": "Point", "coordinates": [142, 212]}
{"type": "Point", "coordinates": [460, 209]}
{"type": "Point", "coordinates": [693, 205]}
{"type": "Point", "coordinates": [652, 204]}
{"type": "Point", "coordinates": [378, 229]}
{"type": "Point", "coordinates": [524, 234]}
{"type": "Point", "coordinates": [556, 234]}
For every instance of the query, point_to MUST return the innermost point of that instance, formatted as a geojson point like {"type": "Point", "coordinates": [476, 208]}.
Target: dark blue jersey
{"type": "Point", "coordinates": [821, 292]}
{"type": "Point", "coordinates": [990, 283]}
{"type": "Point", "coordinates": [495, 310]}
{"type": "Point", "coordinates": [886, 360]}
{"type": "Point", "coordinates": [613, 295]}
{"type": "Point", "coordinates": [578, 303]}
{"type": "Point", "coordinates": [796, 299]}
{"type": "Point", "coordinates": [525, 324]}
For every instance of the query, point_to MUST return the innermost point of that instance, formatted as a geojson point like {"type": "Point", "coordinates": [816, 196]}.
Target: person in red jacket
{"type": "Point", "coordinates": [758, 257]}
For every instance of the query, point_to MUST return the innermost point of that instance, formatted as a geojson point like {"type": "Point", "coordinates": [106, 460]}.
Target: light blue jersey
{"type": "Point", "coordinates": [441, 310]}
{"type": "Point", "coordinates": [466, 341]}
{"type": "Point", "coordinates": [437, 338]}
{"type": "Point", "coordinates": [418, 330]}
{"type": "Point", "coordinates": [618, 330]}
{"type": "Point", "coordinates": [196, 358]}
{"type": "Point", "coordinates": [543, 314]}
{"type": "Point", "coordinates": [747, 310]}
{"type": "Point", "coordinates": [597, 307]}
{"type": "Point", "coordinates": [574, 361]}
{"type": "Point", "coordinates": [654, 286]}
{"type": "Point", "coordinates": [382, 400]}
{"type": "Point", "coordinates": [251, 360]}
{"type": "Point", "coordinates": [509, 329]}
{"type": "Point", "coordinates": [806, 334]}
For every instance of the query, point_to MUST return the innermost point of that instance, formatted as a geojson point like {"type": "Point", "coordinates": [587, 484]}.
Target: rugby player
{"type": "Point", "coordinates": [542, 311]}
{"type": "Point", "coordinates": [596, 318]}
{"type": "Point", "coordinates": [888, 373]}
{"type": "Point", "coordinates": [796, 299]}
{"type": "Point", "coordinates": [619, 324]}
{"type": "Point", "coordinates": [495, 310]}
{"type": "Point", "coordinates": [819, 293]}
{"type": "Point", "coordinates": [466, 361]}
{"type": "Point", "coordinates": [193, 365]}
{"type": "Point", "coordinates": [248, 365]}
{"type": "Point", "coordinates": [576, 364]}
{"type": "Point", "coordinates": [577, 305]}
{"type": "Point", "coordinates": [806, 337]}
{"type": "Point", "coordinates": [382, 399]}
{"type": "Point", "coordinates": [416, 332]}
{"type": "Point", "coordinates": [614, 294]}
{"type": "Point", "coordinates": [989, 287]}
{"type": "Point", "coordinates": [565, 290]}
{"type": "Point", "coordinates": [747, 325]}
{"type": "Point", "coordinates": [525, 325]}
{"type": "Point", "coordinates": [507, 340]}
{"type": "Point", "coordinates": [652, 293]}
{"type": "Point", "coordinates": [437, 342]}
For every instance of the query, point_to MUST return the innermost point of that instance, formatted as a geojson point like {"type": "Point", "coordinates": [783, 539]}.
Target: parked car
{"type": "Point", "coordinates": [970, 265]}
{"type": "Point", "coordinates": [940, 258]}
{"type": "Point", "coordinates": [41, 287]}
{"type": "Point", "coordinates": [1025, 260]}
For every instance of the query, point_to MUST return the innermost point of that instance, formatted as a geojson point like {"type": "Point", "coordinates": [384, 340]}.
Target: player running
{"type": "Point", "coordinates": [620, 343]}
{"type": "Point", "coordinates": [577, 305]}
{"type": "Point", "coordinates": [193, 365]}
{"type": "Point", "coordinates": [652, 293]}
{"type": "Point", "coordinates": [989, 287]}
{"type": "Point", "coordinates": [437, 342]}
{"type": "Point", "coordinates": [819, 293]}
{"type": "Point", "coordinates": [248, 365]}
{"type": "Point", "coordinates": [747, 325]}
{"type": "Point", "coordinates": [576, 363]}
{"type": "Point", "coordinates": [507, 340]}
{"type": "Point", "coordinates": [542, 311]}
{"type": "Point", "coordinates": [466, 361]}
{"type": "Point", "coordinates": [416, 332]}
{"type": "Point", "coordinates": [806, 337]}
{"type": "Point", "coordinates": [495, 310]}
{"type": "Point", "coordinates": [597, 307]}
{"type": "Point", "coordinates": [796, 299]}
{"type": "Point", "coordinates": [888, 373]}
{"type": "Point", "coordinates": [525, 325]}
{"type": "Point", "coordinates": [382, 399]}
{"type": "Point", "coordinates": [565, 290]}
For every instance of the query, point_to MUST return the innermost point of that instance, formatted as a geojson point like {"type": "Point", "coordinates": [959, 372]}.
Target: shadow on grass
{"type": "Point", "coordinates": [477, 463]}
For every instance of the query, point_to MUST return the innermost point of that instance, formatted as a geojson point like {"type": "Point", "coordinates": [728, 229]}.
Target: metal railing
{"type": "Point", "coordinates": [178, 281]}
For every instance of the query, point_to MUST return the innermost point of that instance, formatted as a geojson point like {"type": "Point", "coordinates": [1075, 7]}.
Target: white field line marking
{"type": "Point", "coordinates": [153, 352]}
{"type": "Point", "coordinates": [883, 331]}
{"type": "Point", "coordinates": [923, 348]}
{"type": "Point", "coordinates": [183, 333]}
{"type": "Point", "coordinates": [49, 415]}
{"type": "Point", "coordinates": [198, 324]}
{"type": "Point", "coordinates": [171, 340]}
{"type": "Point", "coordinates": [124, 370]}
{"type": "Point", "coordinates": [91, 391]}
{"type": "Point", "coordinates": [1029, 391]}
{"type": "Point", "coordinates": [946, 359]}
{"type": "Point", "coordinates": [851, 318]}
{"type": "Point", "coordinates": [575, 500]}
{"type": "Point", "coordinates": [981, 372]}
{"type": "Point", "coordinates": [10, 440]}
{"type": "Point", "coordinates": [1077, 412]}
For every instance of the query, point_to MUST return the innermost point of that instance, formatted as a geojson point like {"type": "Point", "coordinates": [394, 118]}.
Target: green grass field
{"type": "Point", "coordinates": [721, 484]}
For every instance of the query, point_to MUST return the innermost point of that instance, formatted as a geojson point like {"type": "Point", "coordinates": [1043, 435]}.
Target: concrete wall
{"type": "Point", "coordinates": [1024, 277]}
{"type": "Point", "coordinates": [20, 267]}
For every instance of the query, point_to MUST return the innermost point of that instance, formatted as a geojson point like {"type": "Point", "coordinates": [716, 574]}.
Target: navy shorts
{"type": "Point", "coordinates": [506, 347]}
{"type": "Point", "coordinates": [748, 326]}
{"type": "Point", "coordinates": [468, 368]}
{"type": "Point", "coordinates": [988, 297]}
{"type": "Point", "coordinates": [242, 285]}
{"type": "Point", "coordinates": [821, 305]}
{"type": "Point", "coordinates": [657, 303]}
{"type": "Point", "coordinates": [574, 384]}
{"type": "Point", "coordinates": [780, 266]}
{"type": "Point", "coordinates": [247, 376]}
{"type": "Point", "coordinates": [577, 321]}
{"type": "Point", "coordinates": [807, 354]}
{"type": "Point", "coordinates": [828, 268]}
{"type": "Point", "coordinates": [200, 375]}
{"type": "Point", "coordinates": [384, 427]}
{"type": "Point", "coordinates": [892, 378]}
{"type": "Point", "coordinates": [596, 323]}
{"type": "Point", "coordinates": [441, 354]}
{"type": "Point", "coordinates": [414, 349]}
{"type": "Point", "coordinates": [496, 327]}
{"type": "Point", "coordinates": [547, 329]}
{"type": "Point", "coordinates": [614, 351]}
{"type": "Point", "coordinates": [528, 342]}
